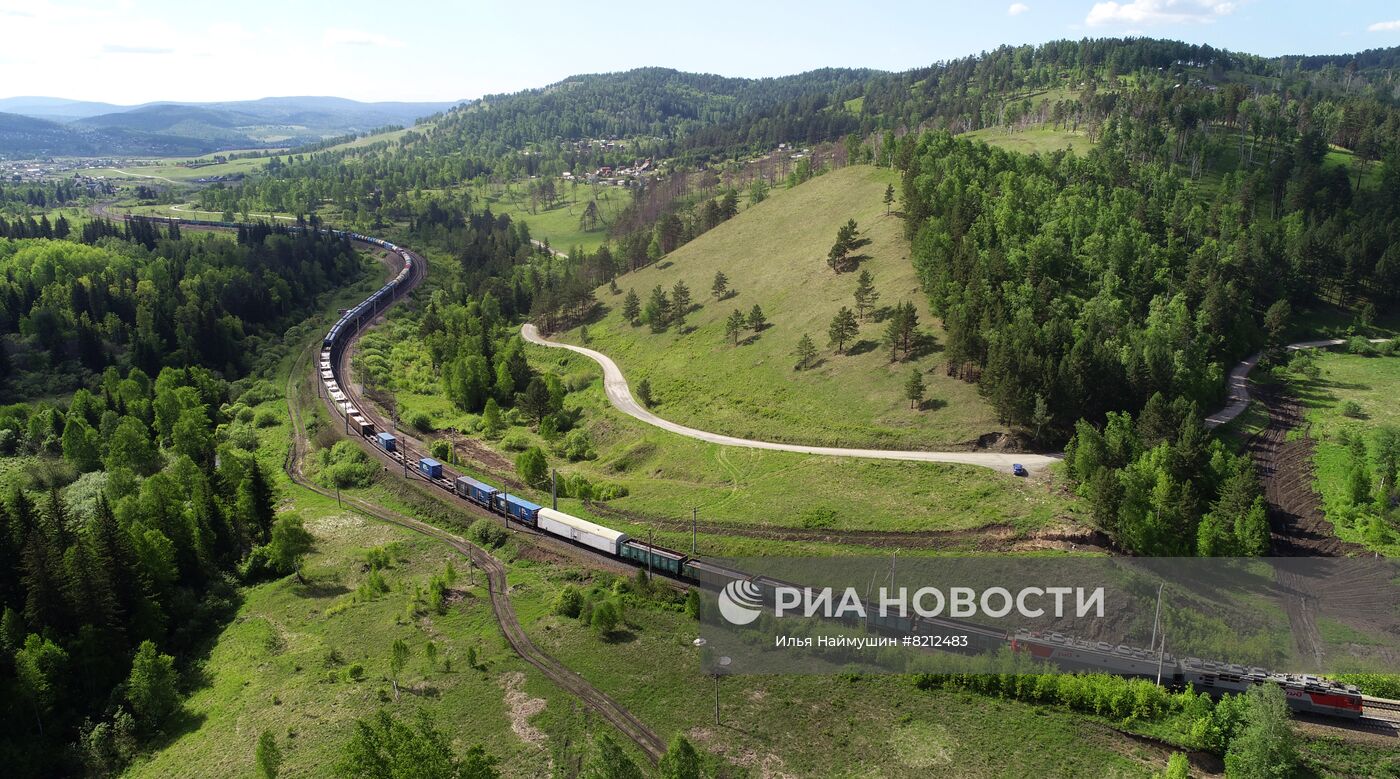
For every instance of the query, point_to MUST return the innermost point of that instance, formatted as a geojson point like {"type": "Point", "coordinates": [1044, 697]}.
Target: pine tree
{"type": "Point", "coordinates": [644, 392]}
{"type": "Point", "coordinates": [914, 388]}
{"type": "Point", "coordinates": [806, 352]}
{"type": "Point", "coordinates": [866, 296]}
{"type": "Point", "coordinates": [900, 333]}
{"type": "Point", "coordinates": [720, 287]}
{"type": "Point", "coordinates": [889, 198]}
{"type": "Point", "coordinates": [657, 313]}
{"type": "Point", "coordinates": [843, 328]}
{"type": "Point", "coordinates": [756, 319]}
{"type": "Point", "coordinates": [680, 304]}
{"type": "Point", "coordinates": [631, 307]}
{"type": "Point", "coordinates": [734, 326]}
{"type": "Point", "coordinates": [681, 761]}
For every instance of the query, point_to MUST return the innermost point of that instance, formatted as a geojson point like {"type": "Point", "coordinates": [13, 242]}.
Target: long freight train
{"type": "Point", "coordinates": [1304, 693]}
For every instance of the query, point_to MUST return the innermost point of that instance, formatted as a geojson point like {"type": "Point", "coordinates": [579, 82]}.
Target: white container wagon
{"type": "Point", "coordinates": [581, 530]}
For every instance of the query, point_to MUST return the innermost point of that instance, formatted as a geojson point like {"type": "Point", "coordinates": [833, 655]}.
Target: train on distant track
{"type": "Point", "coordinates": [1305, 693]}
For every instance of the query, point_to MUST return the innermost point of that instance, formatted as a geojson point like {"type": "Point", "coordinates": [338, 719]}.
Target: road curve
{"type": "Point", "coordinates": [1238, 384]}
{"type": "Point", "coordinates": [620, 395]}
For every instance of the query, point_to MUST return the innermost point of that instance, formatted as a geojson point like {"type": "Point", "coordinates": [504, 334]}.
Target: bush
{"type": "Point", "coordinates": [259, 392]}
{"type": "Point", "coordinates": [1352, 409]}
{"type": "Point", "coordinates": [486, 533]}
{"type": "Point", "coordinates": [533, 466]}
{"type": "Point", "coordinates": [577, 446]}
{"type": "Point", "coordinates": [1359, 345]}
{"type": "Point", "coordinates": [579, 380]}
{"type": "Point", "coordinates": [346, 465]}
{"type": "Point", "coordinates": [267, 418]}
{"type": "Point", "coordinates": [515, 442]}
{"type": "Point", "coordinates": [569, 603]}
{"type": "Point", "coordinates": [242, 436]}
{"type": "Point", "coordinates": [421, 421]}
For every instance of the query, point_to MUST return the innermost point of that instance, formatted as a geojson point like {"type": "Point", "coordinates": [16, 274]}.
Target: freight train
{"type": "Point", "coordinates": [1304, 693]}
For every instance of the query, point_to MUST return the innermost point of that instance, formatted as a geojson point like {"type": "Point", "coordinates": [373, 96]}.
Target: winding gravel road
{"type": "Point", "coordinates": [620, 395]}
{"type": "Point", "coordinates": [1238, 399]}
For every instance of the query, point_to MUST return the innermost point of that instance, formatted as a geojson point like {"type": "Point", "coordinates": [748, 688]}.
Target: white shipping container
{"type": "Point", "coordinates": [581, 530]}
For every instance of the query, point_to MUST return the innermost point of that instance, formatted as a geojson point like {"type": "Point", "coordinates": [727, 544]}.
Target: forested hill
{"type": "Point", "coordinates": [649, 102]}
{"type": "Point", "coordinates": [1078, 79]}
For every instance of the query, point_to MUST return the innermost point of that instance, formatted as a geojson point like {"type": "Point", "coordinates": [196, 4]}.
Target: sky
{"type": "Point", "coordinates": [132, 51]}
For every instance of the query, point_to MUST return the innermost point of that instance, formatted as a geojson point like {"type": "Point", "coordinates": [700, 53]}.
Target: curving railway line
{"type": "Point", "coordinates": [1315, 695]}
{"type": "Point", "coordinates": [498, 586]}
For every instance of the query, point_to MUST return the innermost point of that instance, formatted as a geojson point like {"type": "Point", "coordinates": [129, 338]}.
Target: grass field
{"type": "Point", "coordinates": [774, 255]}
{"type": "Point", "coordinates": [1369, 383]}
{"type": "Point", "coordinates": [668, 475]}
{"type": "Point", "coordinates": [174, 171]}
{"type": "Point", "coordinates": [559, 225]}
{"type": "Point", "coordinates": [1037, 140]}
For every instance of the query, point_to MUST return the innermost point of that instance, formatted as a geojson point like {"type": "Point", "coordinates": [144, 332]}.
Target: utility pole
{"type": "Point", "coordinates": [1156, 616]}
{"type": "Point", "coordinates": [649, 554]}
{"type": "Point", "coordinates": [1156, 620]}
{"type": "Point", "coordinates": [554, 489]}
{"type": "Point", "coordinates": [694, 527]}
{"type": "Point", "coordinates": [337, 496]}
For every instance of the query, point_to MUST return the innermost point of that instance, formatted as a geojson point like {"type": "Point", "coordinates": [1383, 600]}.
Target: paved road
{"type": "Point", "coordinates": [1238, 399]}
{"type": "Point", "coordinates": [620, 395]}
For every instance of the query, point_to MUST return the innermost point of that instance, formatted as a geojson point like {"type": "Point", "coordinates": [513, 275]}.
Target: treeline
{"type": "Point", "coordinates": [1161, 486]}
{"type": "Point", "coordinates": [107, 586]}
{"type": "Point", "coordinates": [1183, 85]}
{"type": "Point", "coordinates": [39, 195]}
{"type": "Point", "coordinates": [1251, 731]}
{"type": "Point", "coordinates": [1087, 284]}
{"type": "Point", "coordinates": [145, 296]}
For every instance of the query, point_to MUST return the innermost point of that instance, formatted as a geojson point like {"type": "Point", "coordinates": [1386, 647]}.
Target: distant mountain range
{"type": "Point", "coordinates": [52, 126]}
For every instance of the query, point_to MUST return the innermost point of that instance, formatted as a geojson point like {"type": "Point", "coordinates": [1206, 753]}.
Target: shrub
{"type": "Point", "coordinates": [579, 380]}
{"type": "Point", "coordinates": [346, 465]}
{"type": "Point", "coordinates": [1359, 345]}
{"type": "Point", "coordinates": [486, 533]}
{"type": "Point", "coordinates": [515, 442]}
{"type": "Point", "coordinates": [1352, 409]}
{"type": "Point", "coordinates": [532, 466]}
{"type": "Point", "coordinates": [569, 603]}
{"type": "Point", "coordinates": [267, 418]}
{"type": "Point", "coordinates": [577, 446]}
{"type": "Point", "coordinates": [242, 436]}
{"type": "Point", "coordinates": [421, 421]}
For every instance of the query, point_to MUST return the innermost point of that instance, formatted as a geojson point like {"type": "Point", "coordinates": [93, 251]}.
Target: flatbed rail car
{"type": "Point", "coordinates": [1304, 693]}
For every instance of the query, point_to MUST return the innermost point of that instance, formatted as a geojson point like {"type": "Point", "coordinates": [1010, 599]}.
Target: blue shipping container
{"type": "Point", "coordinates": [430, 467]}
{"type": "Point", "coordinates": [387, 441]}
{"type": "Point", "coordinates": [474, 490]}
{"type": "Point", "coordinates": [517, 507]}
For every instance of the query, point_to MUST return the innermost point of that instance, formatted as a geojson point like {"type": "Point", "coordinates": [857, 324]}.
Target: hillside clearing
{"type": "Point", "coordinates": [774, 255]}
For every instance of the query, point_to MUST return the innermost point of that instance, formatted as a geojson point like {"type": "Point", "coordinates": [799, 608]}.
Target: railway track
{"type": "Point", "coordinates": [627, 723]}
{"type": "Point", "coordinates": [498, 586]}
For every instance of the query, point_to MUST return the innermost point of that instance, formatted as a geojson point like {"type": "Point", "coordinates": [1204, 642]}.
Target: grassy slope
{"type": "Point", "coordinates": [1034, 140]}
{"type": "Point", "coordinates": [667, 474]}
{"type": "Point", "coordinates": [559, 226]}
{"type": "Point", "coordinates": [1369, 382]}
{"type": "Point", "coordinates": [775, 256]}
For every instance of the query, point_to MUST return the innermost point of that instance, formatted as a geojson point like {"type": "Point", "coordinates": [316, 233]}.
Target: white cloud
{"type": "Point", "coordinates": [1147, 12]}
{"type": "Point", "coordinates": [121, 48]}
{"type": "Point", "coordinates": [338, 36]}
{"type": "Point", "coordinates": [1384, 26]}
{"type": "Point", "coordinates": [1017, 9]}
